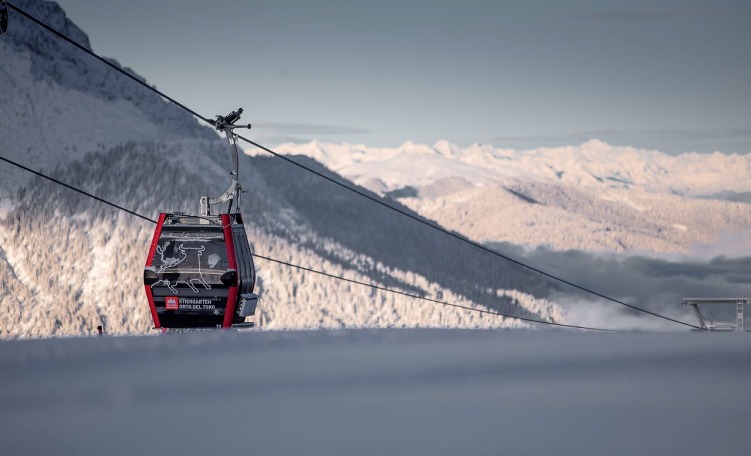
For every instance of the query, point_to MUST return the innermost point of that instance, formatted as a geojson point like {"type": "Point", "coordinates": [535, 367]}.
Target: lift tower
{"type": "Point", "coordinates": [740, 304]}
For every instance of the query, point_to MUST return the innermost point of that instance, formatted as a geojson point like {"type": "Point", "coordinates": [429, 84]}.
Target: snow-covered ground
{"type": "Point", "coordinates": [351, 392]}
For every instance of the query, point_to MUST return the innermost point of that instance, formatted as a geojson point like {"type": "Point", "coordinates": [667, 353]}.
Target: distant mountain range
{"type": "Point", "coordinates": [594, 196]}
{"type": "Point", "coordinates": [593, 164]}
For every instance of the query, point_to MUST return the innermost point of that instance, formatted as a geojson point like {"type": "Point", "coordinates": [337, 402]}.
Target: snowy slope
{"type": "Point", "coordinates": [414, 392]}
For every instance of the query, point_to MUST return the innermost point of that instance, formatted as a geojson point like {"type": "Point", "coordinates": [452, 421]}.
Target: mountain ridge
{"type": "Point", "coordinates": [599, 197]}
{"type": "Point", "coordinates": [593, 163]}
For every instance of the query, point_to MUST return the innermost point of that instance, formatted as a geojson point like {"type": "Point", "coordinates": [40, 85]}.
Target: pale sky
{"type": "Point", "coordinates": [668, 75]}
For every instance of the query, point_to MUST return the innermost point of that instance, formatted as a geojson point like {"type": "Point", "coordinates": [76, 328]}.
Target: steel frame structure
{"type": "Point", "coordinates": [740, 305]}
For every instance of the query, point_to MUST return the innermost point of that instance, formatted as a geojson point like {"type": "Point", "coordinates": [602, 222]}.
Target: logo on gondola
{"type": "Point", "coordinates": [183, 254]}
{"type": "Point", "coordinates": [171, 303]}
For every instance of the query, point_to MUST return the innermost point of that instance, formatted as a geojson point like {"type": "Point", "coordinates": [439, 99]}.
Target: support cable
{"type": "Point", "coordinates": [354, 190]}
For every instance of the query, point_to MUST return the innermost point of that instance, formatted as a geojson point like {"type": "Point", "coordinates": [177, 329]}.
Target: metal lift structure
{"type": "Point", "coordinates": [740, 307]}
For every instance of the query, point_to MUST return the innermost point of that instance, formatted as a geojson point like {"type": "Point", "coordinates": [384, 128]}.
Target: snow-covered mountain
{"type": "Point", "coordinates": [68, 263]}
{"type": "Point", "coordinates": [593, 196]}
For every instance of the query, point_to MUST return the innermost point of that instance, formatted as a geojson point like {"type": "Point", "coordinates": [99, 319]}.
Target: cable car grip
{"type": "Point", "coordinates": [232, 194]}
